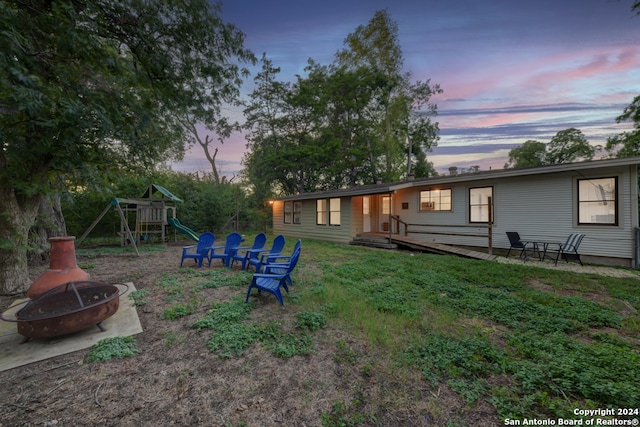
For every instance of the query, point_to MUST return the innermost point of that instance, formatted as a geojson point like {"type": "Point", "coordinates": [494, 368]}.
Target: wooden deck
{"type": "Point", "coordinates": [368, 239]}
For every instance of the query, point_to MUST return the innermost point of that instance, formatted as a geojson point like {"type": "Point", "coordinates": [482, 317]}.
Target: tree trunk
{"type": "Point", "coordinates": [49, 223]}
{"type": "Point", "coordinates": [16, 218]}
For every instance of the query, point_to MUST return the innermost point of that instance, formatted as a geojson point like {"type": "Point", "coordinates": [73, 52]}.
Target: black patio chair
{"type": "Point", "coordinates": [517, 243]}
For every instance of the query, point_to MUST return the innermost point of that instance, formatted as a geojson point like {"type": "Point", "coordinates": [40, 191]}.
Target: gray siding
{"type": "Point", "coordinates": [308, 227]}
{"type": "Point", "coordinates": [544, 208]}
{"type": "Point", "coordinates": [541, 207]}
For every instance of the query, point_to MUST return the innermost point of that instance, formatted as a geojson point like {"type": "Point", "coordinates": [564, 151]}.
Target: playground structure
{"type": "Point", "coordinates": [145, 219]}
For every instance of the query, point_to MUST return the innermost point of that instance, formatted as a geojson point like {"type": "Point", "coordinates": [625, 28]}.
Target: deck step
{"type": "Point", "coordinates": [374, 242]}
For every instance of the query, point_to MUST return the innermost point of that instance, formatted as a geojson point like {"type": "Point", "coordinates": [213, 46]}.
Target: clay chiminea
{"type": "Point", "coordinates": [62, 267]}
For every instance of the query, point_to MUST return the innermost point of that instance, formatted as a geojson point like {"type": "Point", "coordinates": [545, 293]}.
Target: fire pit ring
{"type": "Point", "coordinates": [67, 308]}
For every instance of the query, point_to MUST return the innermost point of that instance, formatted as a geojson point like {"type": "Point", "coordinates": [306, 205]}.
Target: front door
{"type": "Point", "coordinates": [366, 214]}
{"type": "Point", "coordinates": [385, 212]}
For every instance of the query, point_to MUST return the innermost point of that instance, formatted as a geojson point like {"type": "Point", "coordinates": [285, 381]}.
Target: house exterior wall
{"type": "Point", "coordinates": [539, 206]}
{"type": "Point", "coordinates": [307, 228]}
{"type": "Point", "coordinates": [543, 208]}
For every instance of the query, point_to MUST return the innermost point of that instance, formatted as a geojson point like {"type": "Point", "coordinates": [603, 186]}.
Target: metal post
{"type": "Point", "coordinates": [490, 227]}
{"type": "Point", "coordinates": [636, 248]}
{"type": "Point", "coordinates": [390, 224]}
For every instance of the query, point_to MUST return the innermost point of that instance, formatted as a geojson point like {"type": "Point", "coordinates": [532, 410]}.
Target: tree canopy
{"type": "Point", "coordinates": [566, 146]}
{"type": "Point", "coordinates": [101, 85]}
{"type": "Point", "coordinates": [531, 153]}
{"type": "Point", "coordinates": [347, 123]}
{"type": "Point", "coordinates": [627, 143]}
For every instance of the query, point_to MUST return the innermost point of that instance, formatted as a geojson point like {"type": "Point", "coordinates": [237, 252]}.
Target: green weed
{"type": "Point", "coordinates": [221, 314]}
{"type": "Point", "coordinates": [344, 353]}
{"type": "Point", "coordinates": [342, 416]}
{"type": "Point", "coordinates": [232, 339]}
{"type": "Point", "coordinates": [109, 348]}
{"type": "Point", "coordinates": [138, 297]}
{"type": "Point", "coordinates": [178, 311]}
{"type": "Point", "coordinates": [170, 284]}
{"type": "Point", "coordinates": [311, 320]}
{"type": "Point", "coordinates": [87, 265]}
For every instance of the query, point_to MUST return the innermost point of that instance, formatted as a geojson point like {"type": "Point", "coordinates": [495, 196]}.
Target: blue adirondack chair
{"type": "Point", "coordinates": [280, 264]}
{"type": "Point", "coordinates": [246, 252]}
{"type": "Point", "coordinates": [200, 251]}
{"type": "Point", "coordinates": [270, 282]}
{"type": "Point", "coordinates": [276, 249]}
{"type": "Point", "coordinates": [227, 251]}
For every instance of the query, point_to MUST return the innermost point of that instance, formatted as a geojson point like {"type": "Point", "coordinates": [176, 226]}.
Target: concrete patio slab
{"type": "Point", "coordinates": [124, 322]}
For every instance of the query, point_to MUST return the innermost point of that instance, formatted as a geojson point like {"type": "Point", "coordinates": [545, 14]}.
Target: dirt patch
{"type": "Point", "coordinates": [176, 380]}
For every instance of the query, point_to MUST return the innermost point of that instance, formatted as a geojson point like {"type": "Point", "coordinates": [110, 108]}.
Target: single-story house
{"type": "Point", "coordinates": [598, 198]}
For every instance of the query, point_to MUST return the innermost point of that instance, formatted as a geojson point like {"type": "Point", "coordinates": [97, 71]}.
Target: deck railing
{"type": "Point", "coordinates": [433, 229]}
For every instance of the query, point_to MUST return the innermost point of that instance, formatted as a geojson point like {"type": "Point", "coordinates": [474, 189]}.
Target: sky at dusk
{"type": "Point", "coordinates": [511, 70]}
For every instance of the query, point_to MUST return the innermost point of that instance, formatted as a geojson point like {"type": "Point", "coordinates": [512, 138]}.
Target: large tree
{"type": "Point", "coordinates": [403, 110]}
{"type": "Point", "coordinates": [531, 153]}
{"type": "Point", "coordinates": [568, 146]}
{"type": "Point", "coordinates": [627, 144]}
{"type": "Point", "coordinates": [344, 124]}
{"type": "Point", "coordinates": [95, 86]}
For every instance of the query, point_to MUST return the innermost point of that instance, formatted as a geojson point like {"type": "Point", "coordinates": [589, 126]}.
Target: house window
{"type": "Point", "coordinates": [321, 212]}
{"type": "Point", "coordinates": [435, 200]}
{"type": "Point", "coordinates": [297, 212]}
{"type": "Point", "coordinates": [386, 205]}
{"type": "Point", "coordinates": [479, 204]}
{"type": "Point", "coordinates": [334, 211]}
{"type": "Point", "coordinates": [597, 201]}
{"type": "Point", "coordinates": [288, 212]}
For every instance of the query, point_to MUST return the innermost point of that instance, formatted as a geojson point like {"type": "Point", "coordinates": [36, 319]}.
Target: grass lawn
{"type": "Point", "coordinates": [533, 343]}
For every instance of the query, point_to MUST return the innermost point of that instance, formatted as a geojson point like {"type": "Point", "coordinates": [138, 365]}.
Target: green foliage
{"type": "Point", "coordinates": [232, 339]}
{"type": "Point", "coordinates": [344, 353]}
{"type": "Point", "coordinates": [284, 345]}
{"type": "Point", "coordinates": [138, 297]}
{"type": "Point", "coordinates": [567, 146]}
{"type": "Point", "coordinates": [343, 416]}
{"type": "Point", "coordinates": [531, 153]}
{"type": "Point", "coordinates": [470, 389]}
{"type": "Point", "coordinates": [311, 320]}
{"type": "Point", "coordinates": [602, 372]}
{"type": "Point", "coordinates": [232, 335]}
{"type": "Point", "coordinates": [178, 311]}
{"type": "Point", "coordinates": [440, 357]}
{"type": "Point", "coordinates": [91, 90]}
{"type": "Point", "coordinates": [109, 348]}
{"type": "Point", "coordinates": [485, 329]}
{"type": "Point", "coordinates": [222, 314]}
{"type": "Point", "coordinates": [627, 144]}
{"type": "Point", "coordinates": [201, 197]}
{"type": "Point", "coordinates": [170, 284]}
{"type": "Point", "coordinates": [346, 123]}
{"type": "Point", "coordinates": [221, 279]}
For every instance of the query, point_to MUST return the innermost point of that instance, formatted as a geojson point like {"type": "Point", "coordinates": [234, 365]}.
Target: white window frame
{"type": "Point", "coordinates": [297, 212]}
{"type": "Point", "coordinates": [334, 211]}
{"type": "Point", "coordinates": [479, 204]}
{"type": "Point", "coordinates": [321, 212]}
{"type": "Point", "coordinates": [435, 200]}
{"type": "Point", "coordinates": [597, 201]}
{"type": "Point", "coordinates": [288, 212]}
